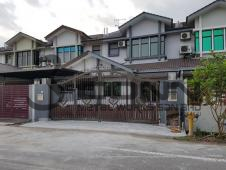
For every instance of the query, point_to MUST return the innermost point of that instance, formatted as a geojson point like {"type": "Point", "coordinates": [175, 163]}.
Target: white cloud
{"type": "Point", "coordinates": [40, 17]}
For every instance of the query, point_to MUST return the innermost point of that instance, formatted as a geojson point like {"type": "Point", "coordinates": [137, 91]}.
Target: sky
{"type": "Point", "coordinates": [40, 17]}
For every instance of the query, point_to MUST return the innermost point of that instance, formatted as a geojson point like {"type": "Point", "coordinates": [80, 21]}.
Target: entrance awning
{"type": "Point", "coordinates": [39, 73]}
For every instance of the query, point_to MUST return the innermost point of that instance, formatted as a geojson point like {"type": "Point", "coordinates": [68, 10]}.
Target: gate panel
{"type": "Point", "coordinates": [101, 96]}
{"type": "Point", "coordinates": [14, 101]}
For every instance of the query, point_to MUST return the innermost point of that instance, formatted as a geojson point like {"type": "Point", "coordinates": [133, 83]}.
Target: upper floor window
{"type": "Point", "coordinates": [9, 59]}
{"type": "Point", "coordinates": [218, 35]}
{"type": "Point", "coordinates": [154, 46]}
{"type": "Point", "coordinates": [147, 47]}
{"type": "Point", "coordinates": [135, 48]}
{"type": "Point", "coordinates": [197, 47]}
{"type": "Point", "coordinates": [24, 59]}
{"type": "Point", "coordinates": [96, 49]}
{"type": "Point", "coordinates": [65, 54]}
{"type": "Point", "coordinates": [144, 47]}
{"type": "Point", "coordinates": [113, 49]}
{"type": "Point", "coordinates": [207, 40]}
{"type": "Point", "coordinates": [211, 40]}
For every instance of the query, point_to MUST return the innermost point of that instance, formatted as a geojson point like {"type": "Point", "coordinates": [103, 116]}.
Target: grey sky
{"type": "Point", "coordinates": [39, 17]}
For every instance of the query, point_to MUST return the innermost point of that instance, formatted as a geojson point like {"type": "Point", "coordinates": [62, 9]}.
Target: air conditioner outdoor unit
{"type": "Point", "coordinates": [185, 49]}
{"type": "Point", "coordinates": [122, 44]}
{"type": "Point", "coordinates": [185, 36]}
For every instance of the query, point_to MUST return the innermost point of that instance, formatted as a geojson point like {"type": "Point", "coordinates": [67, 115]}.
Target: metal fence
{"type": "Point", "coordinates": [104, 96]}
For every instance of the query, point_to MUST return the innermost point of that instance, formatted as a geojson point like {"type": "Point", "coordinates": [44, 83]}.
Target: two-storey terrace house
{"type": "Point", "coordinates": [147, 61]}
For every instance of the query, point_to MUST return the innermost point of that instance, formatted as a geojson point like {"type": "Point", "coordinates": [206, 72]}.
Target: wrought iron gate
{"type": "Point", "coordinates": [101, 96]}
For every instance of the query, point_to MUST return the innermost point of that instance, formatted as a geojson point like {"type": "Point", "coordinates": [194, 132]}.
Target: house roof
{"type": "Point", "coordinates": [63, 27]}
{"type": "Point", "coordinates": [171, 64]}
{"type": "Point", "coordinates": [5, 68]}
{"type": "Point", "coordinates": [38, 73]}
{"type": "Point", "coordinates": [102, 58]}
{"type": "Point", "coordinates": [20, 35]}
{"type": "Point", "coordinates": [146, 15]}
{"type": "Point", "coordinates": [97, 36]}
{"type": "Point", "coordinates": [5, 49]}
{"type": "Point", "coordinates": [207, 8]}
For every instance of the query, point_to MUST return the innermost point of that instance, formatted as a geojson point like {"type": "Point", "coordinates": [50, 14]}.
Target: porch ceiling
{"type": "Point", "coordinates": [39, 73]}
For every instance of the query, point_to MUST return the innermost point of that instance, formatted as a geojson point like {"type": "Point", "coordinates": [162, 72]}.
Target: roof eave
{"type": "Point", "coordinates": [144, 15]}
{"type": "Point", "coordinates": [217, 3]}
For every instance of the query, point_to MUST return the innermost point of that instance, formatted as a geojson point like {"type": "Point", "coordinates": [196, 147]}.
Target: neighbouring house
{"type": "Point", "coordinates": [145, 65]}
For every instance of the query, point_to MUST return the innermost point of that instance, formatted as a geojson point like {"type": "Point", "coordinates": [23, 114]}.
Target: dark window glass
{"type": "Point", "coordinates": [128, 49]}
{"type": "Point", "coordinates": [113, 50]}
{"type": "Point", "coordinates": [145, 47]}
{"type": "Point", "coordinates": [162, 45]}
{"type": "Point", "coordinates": [112, 89]}
{"type": "Point", "coordinates": [60, 50]}
{"type": "Point", "coordinates": [116, 88]}
{"type": "Point", "coordinates": [24, 59]}
{"type": "Point", "coordinates": [135, 48]}
{"type": "Point", "coordinates": [96, 49]}
{"type": "Point", "coordinates": [20, 59]}
{"type": "Point", "coordinates": [107, 89]}
{"type": "Point", "coordinates": [154, 46]}
{"type": "Point", "coordinates": [65, 54]}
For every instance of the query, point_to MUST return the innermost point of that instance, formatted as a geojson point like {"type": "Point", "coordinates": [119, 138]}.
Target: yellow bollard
{"type": "Point", "coordinates": [190, 117]}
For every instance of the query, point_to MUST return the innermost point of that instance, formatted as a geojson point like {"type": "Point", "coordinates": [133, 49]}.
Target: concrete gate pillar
{"type": "Point", "coordinates": [40, 100]}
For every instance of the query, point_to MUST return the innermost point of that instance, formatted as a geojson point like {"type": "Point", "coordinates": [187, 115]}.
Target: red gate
{"type": "Point", "coordinates": [14, 101]}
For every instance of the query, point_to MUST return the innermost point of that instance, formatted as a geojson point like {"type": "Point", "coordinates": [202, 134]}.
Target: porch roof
{"type": "Point", "coordinates": [169, 65]}
{"type": "Point", "coordinates": [4, 68]}
{"type": "Point", "coordinates": [37, 73]}
{"type": "Point", "coordinates": [107, 60]}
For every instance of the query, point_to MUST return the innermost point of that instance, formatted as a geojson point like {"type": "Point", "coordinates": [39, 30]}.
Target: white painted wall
{"type": "Point", "coordinates": [146, 27]}
{"type": "Point", "coordinates": [173, 44]}
{"type": "Point", "coordinates": [23, 44]}
{"type": "Point", "coordinates": [215, 18]}
{"type": "Point", "coordinates": [84, 65]}
{"type": "Point", "coordinates": [206, 121]}
{"type": "Point", "coordinates": [2, 59]}
{"type": "Point", "coordinates": [66, 38]}
{"type": "Point", "coordinates": [122, 54]}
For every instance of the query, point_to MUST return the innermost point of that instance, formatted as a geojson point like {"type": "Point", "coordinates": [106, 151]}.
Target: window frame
{"type": "Point", "coordinates": [72, 51]}
{"type": "Point", "coordinates": [217, 36]}
{"type": "Point", "coordinates": [96, 49]}
{"type": "Point", "coordinates": [197, 42]}
{"type": "Point", "coordinates": [145, 43]}
{"type": "Point", "coordinates": [110, 89]}
{"type": "Point", "coordinates": [135, 45]}
{"type": "Point", "coordinates": [172, 90]}
{"type": "Point", "coordinates": [24, 58]}
{"type": "Point", "coordinates": [154, 43]}
{"type": "Point", "coordinates": [116, 48]}
{"type": "Point", "coordinates": [209, 37]}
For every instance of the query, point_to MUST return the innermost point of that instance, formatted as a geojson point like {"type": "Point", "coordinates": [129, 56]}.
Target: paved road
{"type": "Point", "coordinates": [49, 149]}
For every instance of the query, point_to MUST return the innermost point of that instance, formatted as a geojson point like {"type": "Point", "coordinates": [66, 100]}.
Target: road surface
{"type": "Point", "coordinates": [51, 149]}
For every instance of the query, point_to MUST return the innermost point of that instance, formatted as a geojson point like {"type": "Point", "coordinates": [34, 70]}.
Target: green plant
{"type": "Point", "coordinates": [210, 78]}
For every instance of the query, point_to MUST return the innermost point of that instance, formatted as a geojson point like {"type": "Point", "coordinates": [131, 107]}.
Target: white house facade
{"type": "Point", "coordinates": [149, 49]}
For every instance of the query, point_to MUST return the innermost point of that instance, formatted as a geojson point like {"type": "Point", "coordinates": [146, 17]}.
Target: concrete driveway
{"type": "Point", "coordinates": [23, 148]}
{"type": "Point", "coordinates": [110, 127]}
